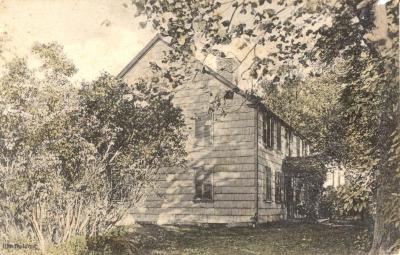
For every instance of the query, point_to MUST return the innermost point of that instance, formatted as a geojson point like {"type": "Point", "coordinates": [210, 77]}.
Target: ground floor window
{"type": "Point", "coordinates": [203, 185]}
{"type": "Point", "coordinates": [279, 187]}
{"type": "Point", "coordinates": [268, 184]}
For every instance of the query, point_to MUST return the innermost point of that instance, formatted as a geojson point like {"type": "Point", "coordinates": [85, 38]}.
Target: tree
{"type": "Point", "coordinates": [74, 159]}
{"type": "Point", "coordinates": [300, 36]}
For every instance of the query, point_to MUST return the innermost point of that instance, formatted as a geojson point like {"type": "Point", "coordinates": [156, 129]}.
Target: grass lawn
{"type": "Point", "coordinates": [288, 238]}
{"type": "Point", "coordinates": [277, 239]}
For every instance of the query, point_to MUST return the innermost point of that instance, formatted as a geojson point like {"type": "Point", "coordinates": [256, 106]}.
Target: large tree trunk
{"type": "Point", "coordinates": [386, 234]}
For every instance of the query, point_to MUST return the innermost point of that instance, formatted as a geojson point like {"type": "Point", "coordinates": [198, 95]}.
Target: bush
{"type": "Point", "coordinates": [74, 160]}
{"type": "Point", "coordinates": [331, 206]}
{"type": "Point", "coordinates": [364, 240]}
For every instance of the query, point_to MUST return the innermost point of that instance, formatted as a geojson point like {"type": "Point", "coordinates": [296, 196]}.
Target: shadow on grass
{"type": "Point", "coordinates": [282, 238]}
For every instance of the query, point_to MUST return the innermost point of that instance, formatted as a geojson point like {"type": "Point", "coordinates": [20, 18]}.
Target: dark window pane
{"type": "Point", "coordinates": [207, 193]}
{"type": "Point", "coordinates": [272, 132]}
{"type": "Point", "coordinates": [298, 147]}
{"type": "Point", "coordinates": [278, 135]}
{"type": "Point", "coordinates": [203, 127]}
{"type": "Point", "coordinates": [198, 190]}
{"type": "Point", "coordinates": [264, 134]}
{"type": "Point", "coordinates": [268, 184]}
{"type": "Point", "coordinates": [268, 131]}
{"type": "Point", "coordinates": [282, 182]}
{"type": "Point", "coordinates": [278, 195]}
{"type": "Point", "coordinates": [203, 185]}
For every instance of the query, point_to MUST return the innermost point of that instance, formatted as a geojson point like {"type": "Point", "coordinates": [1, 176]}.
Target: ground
{"type": "Point", "coordinates": [283, 238]}
{"type": "Point", "coordinates": [277, 239]}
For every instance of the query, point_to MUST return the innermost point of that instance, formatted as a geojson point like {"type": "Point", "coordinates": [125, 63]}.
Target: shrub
{"type": "Point", "coordinates": [74, 160]}
{"type": "Point", "coordinates": [331, 205]}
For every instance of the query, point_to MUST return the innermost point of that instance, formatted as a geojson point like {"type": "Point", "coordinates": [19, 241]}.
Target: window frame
{"type": "Point", "coordinates": [264, 131]}
{"type": "Point", "coordinates": [199, 135]}
{"type": "Point", "coordinates": [290, 142]}
{"type": "Point", "coordinates": [298, 151]}
{"type": "Point", "coordinates": [279, 135]}
{"type": "Point", "coordinates": [279, 188]}
{"type": "Point", "coordinates": [200, 171]}
{"type": "Point", "coordinates": [272, 132]}
{"type": "Point", "coordinates": [268, 128]}
{"type": "Point", "coordinates": [267, 185]}
{"type": "Point", "coordinates": [268, 131]}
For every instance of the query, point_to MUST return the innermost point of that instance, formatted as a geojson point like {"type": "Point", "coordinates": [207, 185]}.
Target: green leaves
{"type": "Point", "coordinates": [78, 157]}
{"type": "Point", "coordinates": [226, 23]}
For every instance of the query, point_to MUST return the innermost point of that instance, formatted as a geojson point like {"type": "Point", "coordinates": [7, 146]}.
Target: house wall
{"type": "Point", "coordinates": [273, 158]}
{"type": "Point", "coordinates": [335, 177]}
{"type": "Point", "coordinates": [230, 157]}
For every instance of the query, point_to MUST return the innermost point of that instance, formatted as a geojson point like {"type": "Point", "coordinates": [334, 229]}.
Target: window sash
{"type": "Point", "coordinates": [264, 133]}
{"type": "Point", "coordinates": [203, 185]}
{"type": "Point", "coordinates": [272, 132]}
{"type": "Point", "coordinates": [279, 135]}
{"type": "Point", "coordinates": [268, 122]}
{"type": "Point", "coordinates": [298, 146]}
{"type": "Point", "coordinates": [203, 128]}
{"type": "Point", "coordinates": [268, 184]}
{"type": "Point", "coordinates": [279, 187]}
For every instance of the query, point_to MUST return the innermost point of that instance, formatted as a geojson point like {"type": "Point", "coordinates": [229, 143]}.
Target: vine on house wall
{"type": "Point", "coordinates": [309, 174]}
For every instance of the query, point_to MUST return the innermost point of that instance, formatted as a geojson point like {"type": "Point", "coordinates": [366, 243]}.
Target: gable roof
{"type": "Point", "coordinates": [256, 100]}
{"type": "Point", "coordinates": [157, 39]}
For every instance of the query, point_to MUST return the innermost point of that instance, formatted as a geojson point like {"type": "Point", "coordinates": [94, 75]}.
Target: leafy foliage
{"type": "Point", "coordinates": [330, 205]}
{"type": "Point", "coordinates": [75, 159]}
{"type": "Point", "coordinates": [286, 41]}
{"type": "Point", "coordinates": [310, 173]}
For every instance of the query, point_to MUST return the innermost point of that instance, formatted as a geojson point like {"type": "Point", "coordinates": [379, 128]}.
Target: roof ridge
{"type": "Point", "coordinates": [215, 74]}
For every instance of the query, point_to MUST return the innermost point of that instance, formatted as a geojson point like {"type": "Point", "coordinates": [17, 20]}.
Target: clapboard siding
{"type": "Point", "coordinates": [230, 156]}
{"type": "Point", "coordinates": [272, 158]}
{"type": "Point", "coordinates": [229, 153]}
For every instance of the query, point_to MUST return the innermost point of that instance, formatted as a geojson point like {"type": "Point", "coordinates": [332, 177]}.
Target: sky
{"type": "Point", "coordinates": [98, 35]}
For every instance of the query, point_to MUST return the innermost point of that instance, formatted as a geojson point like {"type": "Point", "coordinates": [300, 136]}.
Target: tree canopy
{"type": "Point", "coordinates": [334, 50]}
{"type": "Point", "coordinates": [74, 158]}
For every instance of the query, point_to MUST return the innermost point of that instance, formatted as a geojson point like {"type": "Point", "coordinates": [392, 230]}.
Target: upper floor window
{"type": "Point", "coordinates": [298, 146]}
{"type": "Point", "coordinates": [290, 142]}
{"type": "Point", "coordinates": [278, 135]}
{"type": "Point", "coordinates": [264, 127]}
{"type": "Point", "coordinates": [268, 184]}
{"type": "Point", "coordinates": [204, 128]}
{"type": "Point", "coordinates": [203, 185]}
{"type": "Point", "coordinates": [268, 131]}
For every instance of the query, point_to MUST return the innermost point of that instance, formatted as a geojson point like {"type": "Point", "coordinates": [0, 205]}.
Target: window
{"type": "Point", "coordinates": [203, 127]}
{"type": "Point", "coordinates": [272, 132]}
{"type": "Point", "coordinates": [264, 134]}
{"type": "Point", "coordinates": [279, 135]}
{"type": "Point", "coordinates": [268, 131]}
{"type": "Point", "coordinates": [297, 191]}
{"type": "Point", "coordinates": [268, 184]}
{"type": "Point", "coordinates": [279, 184]}
{"type": "Point", "coordinates": [298, 146]}
{"type": "Point", "coordinates": [268, 123]}
{"type": "Point", "coordinates": [289, 141]}
{"type": "Point", "coordinates": [203, 185]}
